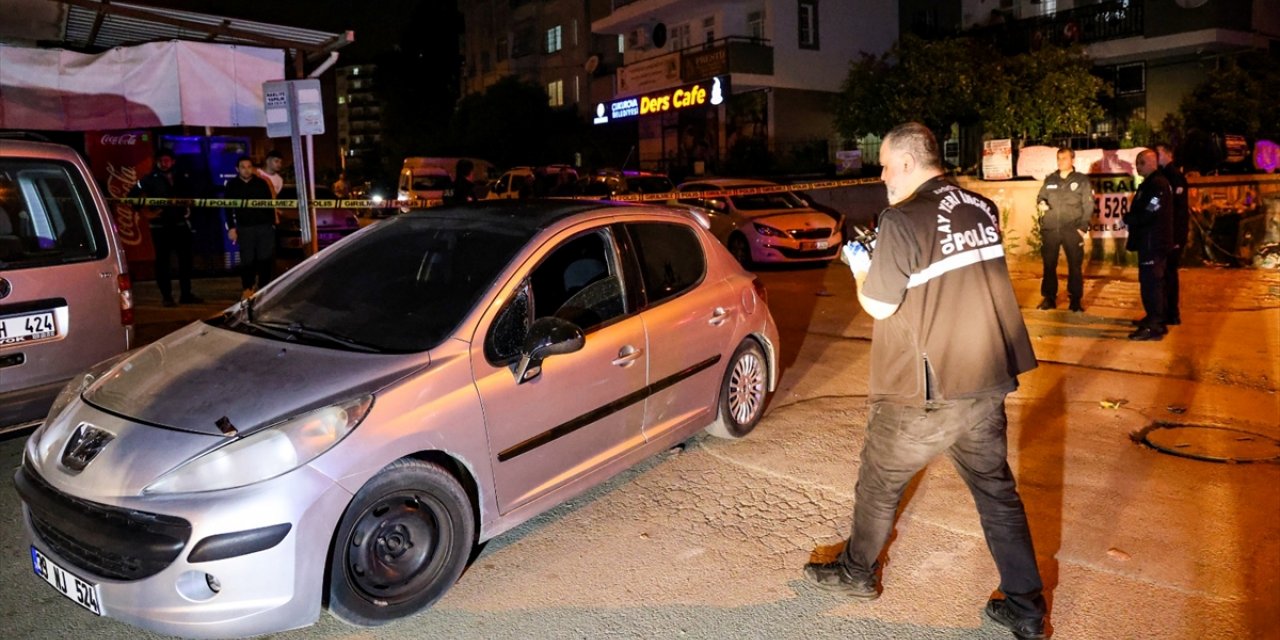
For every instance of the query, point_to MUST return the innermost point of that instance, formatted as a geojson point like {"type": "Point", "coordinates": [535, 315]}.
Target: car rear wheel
{"type": "Point", "coordinates": [740, 250]}
{"type": "Point", "coordinates": [403, 541]}
{"type": "Point", "coordinates": [742, 393]}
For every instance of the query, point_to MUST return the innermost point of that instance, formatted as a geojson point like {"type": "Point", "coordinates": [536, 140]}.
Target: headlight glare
{"type": "Point", "coordinates": [267, 453]}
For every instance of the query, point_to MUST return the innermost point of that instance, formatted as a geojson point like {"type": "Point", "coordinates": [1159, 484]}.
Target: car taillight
{"type": "Point", "coordinates": [126, 299]}
{"type": "Point", "coordinates": [760, 290]}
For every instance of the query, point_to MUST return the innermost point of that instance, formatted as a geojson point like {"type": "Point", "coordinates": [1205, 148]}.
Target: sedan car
{"type": "Point", "coordinates": [332, 225]}
{"type": "Point", "coordinates": [348, 436]}
{"type": "Point", "coordinates": [770, 225]}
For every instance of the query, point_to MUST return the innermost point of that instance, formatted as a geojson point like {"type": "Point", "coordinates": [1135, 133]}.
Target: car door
{"type": "Point", "coordinates": [584, 408]}
{"type": "Point", "coordinates": [717, 209]}
{"type": "Point", "coordinates": [690, 318]}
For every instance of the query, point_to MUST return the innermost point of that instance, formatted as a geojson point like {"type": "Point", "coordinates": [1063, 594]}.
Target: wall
{"type": "Point", "coordinates": [845, 28]}
{"type": "Point", "coordinates": [1166, 86]}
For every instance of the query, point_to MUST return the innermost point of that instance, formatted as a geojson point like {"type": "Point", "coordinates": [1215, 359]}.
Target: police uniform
{"type": "Point", "coordinates": [1181, 229]}
{"type": "Point", "coordinates": [1070, 206]}
{"type": "Point", "coordinates": [171, 233]}
{"type": "Point", "coordinates": [1150, 223]}
{"type": "Point", "coordinates": [941, 366]}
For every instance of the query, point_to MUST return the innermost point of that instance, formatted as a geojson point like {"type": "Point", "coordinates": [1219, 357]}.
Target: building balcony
{"type": "Point", "coordinates": [1084, 25]}
{"type": "Point", "coordinates": [733, 54]}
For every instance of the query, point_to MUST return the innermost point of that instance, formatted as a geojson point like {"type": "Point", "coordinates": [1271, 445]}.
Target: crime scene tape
{"type": "Point", "coordinates": [236, 203]}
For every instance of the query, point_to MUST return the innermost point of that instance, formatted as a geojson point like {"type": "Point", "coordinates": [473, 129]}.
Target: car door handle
{"type": "Point", "coordinates": [627, 355]}
{"type": "Point", "coordinates": [718, 316]}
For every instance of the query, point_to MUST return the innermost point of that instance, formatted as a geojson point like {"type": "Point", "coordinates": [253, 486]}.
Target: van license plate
{"type": "Point", "coordinates": [30, 327]}
{"type": "Point", "coordinates": [85, 594]}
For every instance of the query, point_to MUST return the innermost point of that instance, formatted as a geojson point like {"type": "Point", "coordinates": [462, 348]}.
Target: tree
{"type": "Point", "coordinates": [1237, 97]}
{"type": "Point", "coordinates": [936, 83]}
{"type": "Point", "coordinates": [513, 123]}
{"type": "Point", "coordinates": [963, 81]}
{"type": "Point", "coordinates": [1044, 93]}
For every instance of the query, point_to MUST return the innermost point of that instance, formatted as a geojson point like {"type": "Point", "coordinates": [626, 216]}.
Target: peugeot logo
{"type": "Point", "coordinates": [5, 288]}
{"type": "Point", "coordinates": [84, 445]}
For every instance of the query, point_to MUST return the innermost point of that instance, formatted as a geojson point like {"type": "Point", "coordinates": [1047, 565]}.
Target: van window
{"type": "Point", "coordinates": [431, 182]}
{"type": "Point", "coordinates": [46, 215]}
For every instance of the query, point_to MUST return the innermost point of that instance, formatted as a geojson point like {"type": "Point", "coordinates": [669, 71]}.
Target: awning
{"type": "Point", "coordinates": [149, 85]}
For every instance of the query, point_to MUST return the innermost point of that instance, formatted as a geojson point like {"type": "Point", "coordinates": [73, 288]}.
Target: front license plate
{"type": "Point", "coordinates": [85, 594]}
{"type": "Point", "coordinates": [27, 328]}
{"type": "Point", "coordinates": [822, 244]}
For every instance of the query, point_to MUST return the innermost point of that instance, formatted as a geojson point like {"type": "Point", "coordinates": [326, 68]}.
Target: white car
{"type": "Point", "coordinates": [772, 225]}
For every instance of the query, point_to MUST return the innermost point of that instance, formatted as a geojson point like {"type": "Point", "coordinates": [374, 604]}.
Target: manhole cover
{"type": "Point", "coordinates": [1210, 443]}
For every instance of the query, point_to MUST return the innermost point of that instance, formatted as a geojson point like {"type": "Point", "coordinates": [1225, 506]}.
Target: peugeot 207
{"type": "Point", "coordinates": [348, 436]}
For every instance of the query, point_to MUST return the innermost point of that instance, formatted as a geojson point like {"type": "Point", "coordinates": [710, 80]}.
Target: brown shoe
{"type": "Point", "coordinates": [833, 576]}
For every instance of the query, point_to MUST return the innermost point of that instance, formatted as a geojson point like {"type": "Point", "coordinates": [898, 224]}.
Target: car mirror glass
{"type": "Point", "coordinates": [547, 337]}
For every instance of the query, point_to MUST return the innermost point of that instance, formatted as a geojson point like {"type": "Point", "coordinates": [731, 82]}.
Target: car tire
{"type": "Point", "coordinates": [740, 250]}
{"type": "Point", "coordinates": [742, 393]}
{"type": "Point", "coordinates": [402, 542]}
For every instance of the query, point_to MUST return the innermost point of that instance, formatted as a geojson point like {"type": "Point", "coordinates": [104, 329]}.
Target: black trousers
{"type": "Point", "coordinates": [257, 254]}
{"type": "Point", "coordinates": [1171, 311]}
{"type": "Point", "coordinates": [1070, 242]}
{"type": "Point", "coordinates": [900, 441]}
{"type": "Point", "coordinates": [1151, 281]}
{"type": "Point", "coordinates": [168, 242]}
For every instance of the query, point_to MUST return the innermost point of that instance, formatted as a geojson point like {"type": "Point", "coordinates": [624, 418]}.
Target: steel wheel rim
{"type": "Point", "coordinates": [394, 548]}
{"type": "Point", "coordinates": [746, 388]}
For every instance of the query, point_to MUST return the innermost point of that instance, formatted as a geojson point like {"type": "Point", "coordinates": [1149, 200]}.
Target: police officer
{"type": "Point", "coordinates": [1181, 227]}
{"type": "Point", "coordinates": [947, 346]}
{"type": "Point", "coordinates": [170, 228]}
{"type": "Point", "coordinates": [1066, 204]}
{"type": "Point", "coordinates": [1150, 222]}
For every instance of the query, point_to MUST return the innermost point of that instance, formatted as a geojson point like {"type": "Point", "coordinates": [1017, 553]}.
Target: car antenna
{"type": "Point", "coordinates": [627, 159]}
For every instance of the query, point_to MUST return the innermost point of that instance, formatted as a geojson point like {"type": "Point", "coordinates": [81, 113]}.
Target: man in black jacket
{"type": "Point", "coordinates": [1181, 227]}
{"type": "Point", "coordinates": [252, 228]}
{"type": "Point", "coordinates": [1066, 202]}
{"type": "Point", "coordinates": [1150, 222]}
{"type": "Point", "coordinates": [169, 226]}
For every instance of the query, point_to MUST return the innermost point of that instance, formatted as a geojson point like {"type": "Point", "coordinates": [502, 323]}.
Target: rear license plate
{"type": "Point", "coordinates": [30, 327]}
{"type": "Point", "coordinates": [85, 594]}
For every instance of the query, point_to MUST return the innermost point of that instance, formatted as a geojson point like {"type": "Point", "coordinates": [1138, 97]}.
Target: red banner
{"type": "Point", "coordinates": [118, 160]}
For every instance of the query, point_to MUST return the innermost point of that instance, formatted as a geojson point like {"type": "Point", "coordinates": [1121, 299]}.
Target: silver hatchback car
{"type": "Point", "coordinates": [65, 297]}
{"type": "Point", "coordinates": [348, 435]}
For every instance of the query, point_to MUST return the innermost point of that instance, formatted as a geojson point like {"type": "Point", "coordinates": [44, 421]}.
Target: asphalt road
{"type": "Point", "coordinates": [707, 541]}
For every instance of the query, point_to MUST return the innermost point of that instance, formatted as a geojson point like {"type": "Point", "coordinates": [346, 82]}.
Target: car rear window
{"type": "Point", "coordinates": [402, 287]}
{"type": "Point", "coordinates": [47, 216]}
{"type": "Point", "coordinates": [671, 259]}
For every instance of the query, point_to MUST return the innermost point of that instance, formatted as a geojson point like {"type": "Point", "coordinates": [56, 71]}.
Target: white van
{"type": "Point", "coordinates": [424, 178]}
{"type": "Point", "coordinates": [65, 297]}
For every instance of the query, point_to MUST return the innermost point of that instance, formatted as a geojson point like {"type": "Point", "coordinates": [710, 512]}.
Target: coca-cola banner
{"type": "Point", "coordinates": [119, 159]}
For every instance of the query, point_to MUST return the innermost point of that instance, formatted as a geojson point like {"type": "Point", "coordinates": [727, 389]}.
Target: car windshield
{"type": "Point", "coordinates": [401, 287]}
{"type": "Point", "coordinates": [767, 201]}
{"type": "Point", "coordinates": [650, 184]}
{"type": "Point", "coordinates": [431, 182]}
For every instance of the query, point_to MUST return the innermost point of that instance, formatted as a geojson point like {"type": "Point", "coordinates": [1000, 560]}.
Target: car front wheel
{"type": "Point", "coordinates": [403, 541]}
{"type": "Point", "coordinates": [742, 393]}
{"type": "Point", "coordinates": [740, 250]}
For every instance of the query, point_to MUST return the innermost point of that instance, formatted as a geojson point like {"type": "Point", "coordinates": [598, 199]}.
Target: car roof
{"type": "Point", "coordinates": [29, 149]}
{"type": "Point", "coordinates": [526, 216]}
{"type": "Point", "coordinates": [730, 182]}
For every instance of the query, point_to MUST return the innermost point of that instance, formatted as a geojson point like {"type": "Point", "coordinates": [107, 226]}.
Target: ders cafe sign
{"type": "Point", "coordinates": [709, 92]}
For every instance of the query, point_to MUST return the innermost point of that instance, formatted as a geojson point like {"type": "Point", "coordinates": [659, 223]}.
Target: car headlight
{"type": "Point", "coordinates": [79, 384]}
{"type": "Point", "coordinates": [267, 453]}
{"type": "Point", "coordinates": [766, 230]}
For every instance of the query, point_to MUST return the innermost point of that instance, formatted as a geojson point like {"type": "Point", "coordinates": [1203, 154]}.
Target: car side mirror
{"type": "Point", "coordinates": [549, 336]}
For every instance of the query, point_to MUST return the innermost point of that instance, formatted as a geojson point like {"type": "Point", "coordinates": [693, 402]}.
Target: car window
{"type": "Point", "coordinates": [671, 258]}
{"type": "Point", "coordinates": [579, 281]}
{"type": "Point", "coordinates": [766, 201]}
{"type": "Point", "coordinates": [46, 215]}
{"type": "Point", "coordinates": [403, 287]}
{"type": "Point", "coordinates": [432, 182]}
{"type": "Point", "coordinates": [650, 184]}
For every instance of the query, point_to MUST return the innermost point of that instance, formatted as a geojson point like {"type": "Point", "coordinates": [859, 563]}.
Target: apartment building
{"type": "Point", "coordinates": [546, 42]}
{"type": "Point", "coordinates": [359, 117]}
{"type": "Point", "coordinates": [705, 84]}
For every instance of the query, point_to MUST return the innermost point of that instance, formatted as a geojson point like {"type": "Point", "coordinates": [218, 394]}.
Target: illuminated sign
{"type": "Point", "coordinates": [710, 92]}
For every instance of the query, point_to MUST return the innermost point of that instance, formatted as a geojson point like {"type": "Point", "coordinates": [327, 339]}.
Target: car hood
{"type": "Point", "coordinates": [193, 378]}
{"type": "Point", "coordinates": [790, 218]}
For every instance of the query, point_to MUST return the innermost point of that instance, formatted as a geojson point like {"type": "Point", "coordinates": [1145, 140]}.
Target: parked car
{"type": "Point", "coordinates": [332, 225]}
{"type": "Point", "coordinates": [348, 435]}
{"type": "Point", "coordinates": [65, 296]}
{"type": "Point", "coordinates": [765, 227]}
{"type": "Point", "coordinates": [536, 182]}
{"type": "Point", "coordinates": [648, 182]}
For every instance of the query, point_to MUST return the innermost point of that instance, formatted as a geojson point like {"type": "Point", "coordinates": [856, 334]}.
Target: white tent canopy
{"type": "Point", "coordinates": [149, 85]}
